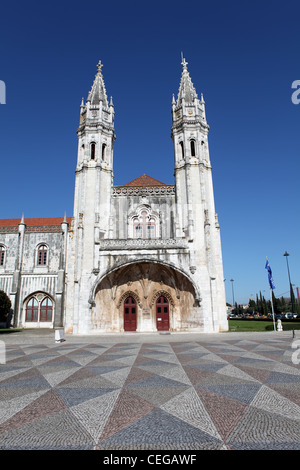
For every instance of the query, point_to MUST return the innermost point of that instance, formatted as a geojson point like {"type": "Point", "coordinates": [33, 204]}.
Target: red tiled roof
{"type": "Point", "coordinates": [36, 222]}
{"type": "Point", "coordinates": [145, 180]}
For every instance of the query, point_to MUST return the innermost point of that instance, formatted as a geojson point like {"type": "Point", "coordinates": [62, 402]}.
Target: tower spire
{"type": "Point", "coordinates": [98, 91]}
{"type": "Point", "coordinates": [186, 88]}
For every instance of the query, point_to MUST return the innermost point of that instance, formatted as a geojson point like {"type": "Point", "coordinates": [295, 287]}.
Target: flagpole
{"type": "Point", "coordinates": [272, 308]}
{"type": "Point", "coordinates": [271, 284]}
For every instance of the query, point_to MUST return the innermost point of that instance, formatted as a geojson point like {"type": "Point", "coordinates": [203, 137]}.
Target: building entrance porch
{"type": "Point", "coordinates": [145, 297]}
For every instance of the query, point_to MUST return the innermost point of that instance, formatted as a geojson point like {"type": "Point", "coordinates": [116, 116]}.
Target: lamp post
{"type": "Point", "coordinates": [286, 254]}
{"type": "Point", "coordinates": [231, 280]}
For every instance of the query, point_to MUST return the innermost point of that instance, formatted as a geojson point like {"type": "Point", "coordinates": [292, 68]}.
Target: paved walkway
{"type": "Point", "coordinates": [150, 392]}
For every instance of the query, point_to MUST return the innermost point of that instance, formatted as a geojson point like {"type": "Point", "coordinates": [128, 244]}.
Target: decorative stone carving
{"type": "Point", "coordinates": [158, 293]}
{"type": "Point", "coordinates": [143, 190]}
{"type": "Point", "coordinates": [149, 244]}
{"type": "Point", "coordinates": [126, 294]}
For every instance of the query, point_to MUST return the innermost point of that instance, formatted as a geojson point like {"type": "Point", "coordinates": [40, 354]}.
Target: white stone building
{"type": "Point", "coordinates": [32, 269]}
{"type": "Point", "coordinates": [142, 257]}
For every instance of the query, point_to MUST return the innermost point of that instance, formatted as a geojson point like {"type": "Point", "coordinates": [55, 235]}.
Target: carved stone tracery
{"type": "Point", "coordinates": [158, 293]}
{"type": "Point", "coordinates": [126, 294]}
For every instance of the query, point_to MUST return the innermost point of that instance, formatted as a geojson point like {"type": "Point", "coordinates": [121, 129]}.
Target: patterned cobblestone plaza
{"type": "Point", "coordinates": [231, 391]}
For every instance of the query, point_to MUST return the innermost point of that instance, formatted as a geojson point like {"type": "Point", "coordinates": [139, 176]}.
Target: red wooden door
{"type": "Point", "coordinates": [162, 314]}
{"type": "Point", "coordinates": [130, 314]}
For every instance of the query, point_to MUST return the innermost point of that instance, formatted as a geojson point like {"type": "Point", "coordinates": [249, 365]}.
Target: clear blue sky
{"type": "Point", "coordinates": [242, 55]}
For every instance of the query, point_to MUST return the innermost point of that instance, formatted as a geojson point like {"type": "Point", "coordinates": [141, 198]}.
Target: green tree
{"type": "Point", "coordinates": [260, 306]}
{"type": "Point", "coordinates": [5, 305]}
{"type": "Point", "coordinates": [252, 306]}
{"type": "Point", "coordinates": [293, 300]}
{"type": "Point", "coordinates": [257, 303]}
{"type": "Point", "coordinates": [276, 304]}
{"type": "Point", "coordinates": [265, 306]}
{"type": "Point", "coordinates": [281, 304]}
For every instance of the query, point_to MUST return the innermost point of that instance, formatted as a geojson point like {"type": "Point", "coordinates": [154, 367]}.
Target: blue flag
{"type": "Point", "coordinates": [271, 282]}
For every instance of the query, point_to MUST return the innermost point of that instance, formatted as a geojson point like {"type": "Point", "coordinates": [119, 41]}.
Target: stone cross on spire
{"type": "Point", "coordinates": [184, 63]}
{"type": "Point", "coordinates": [99, 66]}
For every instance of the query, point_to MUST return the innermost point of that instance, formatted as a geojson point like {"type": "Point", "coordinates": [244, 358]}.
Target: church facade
{"type": "Point", "coordinates": [141, 257]}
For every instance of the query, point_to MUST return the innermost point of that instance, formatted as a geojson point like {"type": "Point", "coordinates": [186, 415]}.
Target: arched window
{"type": "Point", "coordinates": [42, 255]}
{"type": "Point", "coordinates": [144, 226]}
{"type": "Point", "coordinates": [2, 255]}
{"type": "Point", "coordinates": [137, 229]}
{"type": "Point", "coordinates": [93, 150]}
{"type": "Point", "coordinates": [103, 151]}
{"type": "Point", "coordinates": [193, 148]}
{"type": "Point", "coordinates": [32, 310]}
{"type": "Point", "coordinates": [151, 228]}
{"type": "Point", "coordinates": [182, 149]}
{"type": "Point", "coordinates": [46, 310]}
{"type": "Point", "coordinates": [39, 308]}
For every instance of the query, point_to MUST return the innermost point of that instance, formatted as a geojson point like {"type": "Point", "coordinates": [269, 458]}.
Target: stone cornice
{"type": "Point", "coordinates": [92, 126]}
{"type": "Point", "coordinates": [201, 164]}
{"type": "Point", "coordinates": [188, 122]}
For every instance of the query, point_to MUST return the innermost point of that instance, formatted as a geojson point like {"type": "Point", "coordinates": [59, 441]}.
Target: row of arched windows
{"type": "Point", "coordinates": [192, 148]}
{"type": "Point", "coordinates": [42, 255]}
{"type": "Point", "coordinates": [93, 151]}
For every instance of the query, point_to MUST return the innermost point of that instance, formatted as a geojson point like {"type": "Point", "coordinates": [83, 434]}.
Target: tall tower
{"type": "Point", "coordinates": [94, 172]}
{"type": "Point", "coordinates": [92, 201]}
{"type": "Point", "coordinates": [196, 217]}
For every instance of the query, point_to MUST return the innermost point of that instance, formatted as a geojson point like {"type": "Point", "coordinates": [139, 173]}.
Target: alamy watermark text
{"type": "Point", "coordinates": [2, 92]}
{"type": "Point", "coordinates": [296, 94]}
{"type": "Point", "coordinates": [2, 353]}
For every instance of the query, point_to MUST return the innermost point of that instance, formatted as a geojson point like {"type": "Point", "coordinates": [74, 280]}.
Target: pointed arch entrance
{"type": "Point", "coordinates": [162, 314]}
{"type": "Point", "coordinates": [133, 297]}
{"type": "Point", "coordinates": [130, 314]}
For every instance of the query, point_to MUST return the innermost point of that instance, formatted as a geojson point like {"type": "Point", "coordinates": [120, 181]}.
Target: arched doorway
{"type": "Point", "coordinates": [162, 314]}
{"type": "Point", "coordinates": [130, 314]}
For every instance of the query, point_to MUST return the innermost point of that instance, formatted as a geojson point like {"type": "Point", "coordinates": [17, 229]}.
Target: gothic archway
{"type": "Point", "coordinates": [163, 264]}
{"type": "Point", "coordinates": [144, 282]}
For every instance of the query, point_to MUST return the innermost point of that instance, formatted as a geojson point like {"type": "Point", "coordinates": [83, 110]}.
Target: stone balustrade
{"type": "Point", "coordinates": [141, 243]}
